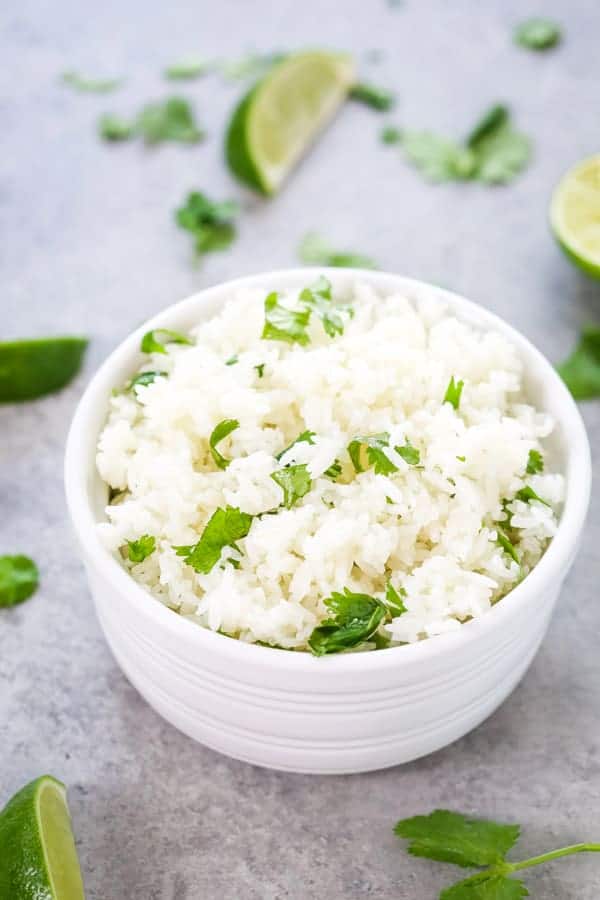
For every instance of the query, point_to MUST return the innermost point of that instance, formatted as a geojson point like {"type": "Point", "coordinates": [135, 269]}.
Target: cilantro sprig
{"type": "Point", "coordinates": [493, 152]}
{"type": "Point", "coordinates": [19, 579]}
{"type": "Point", "coordinates": [465, 841]}
{"type": "Point", "coordinates": [355, 619]}
{"type": "Point", "coordinates": [581, 370]}
{"type": "Point", "coordinates": [219, 433]}
{"type": "Point", "coordinates": [316, 251]}
{"type": "Point", "coordinates": [167, 120]}
{"type": "Point", "coordinates": [226, 526]}
{"type": "Point", "coordinates": [210, 223]}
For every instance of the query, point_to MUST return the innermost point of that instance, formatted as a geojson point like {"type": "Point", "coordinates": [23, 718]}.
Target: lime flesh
{"type": "Point", "coordinates": [38, 859]}
{"type": "Point", "coordinates": [575, 215]}
{"type": "Point", "coordinates": [279, 118]}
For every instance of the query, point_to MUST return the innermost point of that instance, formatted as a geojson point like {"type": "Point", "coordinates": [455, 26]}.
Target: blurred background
{"type": "Point", "coordinates": [90, 245]}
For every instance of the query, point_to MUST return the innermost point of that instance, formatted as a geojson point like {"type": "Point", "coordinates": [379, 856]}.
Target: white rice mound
{"type": "Point", "coordinates": [430, 529]}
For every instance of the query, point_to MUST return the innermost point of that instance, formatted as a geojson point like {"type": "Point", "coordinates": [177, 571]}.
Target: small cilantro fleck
{"type": "Point", "coordinates": [394, 600]}
{"type": "Point", "coordinates": [233, 360]}
{"type": "Point", "coordinates": [504, 541]}
{"type": "Point", "coordinates": [145, 378]}
{"type": "Point", "coordinates": [138, 551]}
{"type": "Point", "coordinates": [389, 134]}
{"type": "Point", "coordinates": [260, 370]}
{"type": "Point", "coordinates": [538, 34]}
{"type": "Point", "coordinates": [295, 482]}
{"type": "Point", "coordinates": [373, 445]}
{"type": "Point", "coordinates": [220, 432]}
{"type": "Point", "coordinates": [356, 618]}
{"type": "Point", "coordinates": [211, 223]}
{"type": "Point", "coordinates": [114, 128]}
{"type": "Point", "coordinates": [453, 392]}
{"type": "Point", "coordinates": [535, 462]}
{"type": "Point", "coordinates": [284, 324]}
{"type": "Point", "coordinates": [409, 454]}
{"type": "Point", "coordinates": [91, 85]}
{"type": "Point", "coordinates": [334, 471]}
{"type": "Point", "coordinates": [155, 341]}
{"type": "Point", "coordinates": [527, 493]}
{"type": "Point", "coordinates": [315, 251]}
{"type": "Point", "coordinates": [186, 69]}
{"type": "Point", "coordinates": [581, 371]}
{"type": "Point", "coordinates": [226, 526]}
{"type": "Point", "coordinates": [19, 579]}
{"type": "Point", "coordinates": [375, 97]}
{"type": "Point", "coordinates": [305, 437]}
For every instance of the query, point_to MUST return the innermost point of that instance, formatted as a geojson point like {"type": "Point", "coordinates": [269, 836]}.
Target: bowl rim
{"type": "Point", "coordinates": [548, 571]}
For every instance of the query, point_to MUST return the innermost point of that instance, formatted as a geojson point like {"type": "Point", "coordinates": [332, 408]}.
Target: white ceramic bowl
{"type": "Point", "coordinates": [292, 711]}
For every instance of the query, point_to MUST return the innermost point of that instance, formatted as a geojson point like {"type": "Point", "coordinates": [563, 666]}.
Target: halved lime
{"type": "Point", "coordinates": [276, 122]}
{"type": "Point", "coordinates": [575, 215]}
{"type": "Point", "coordinates": [31, 368]}
{"type": "Point", "coordinates": [38, 859]}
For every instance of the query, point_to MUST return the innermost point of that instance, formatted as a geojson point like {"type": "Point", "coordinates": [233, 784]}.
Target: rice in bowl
{"type": "Point", "coordinates": [328, 473]}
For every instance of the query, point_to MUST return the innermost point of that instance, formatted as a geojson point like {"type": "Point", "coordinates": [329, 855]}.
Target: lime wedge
{"type": "Point", "coordinates": [575, 215]}
{"type": "Point", "coordinates": [38, 859]}
{"type": "Point", "coordinates": [276, 122]}
{"type": "Point", "coordinates": [31, 368]}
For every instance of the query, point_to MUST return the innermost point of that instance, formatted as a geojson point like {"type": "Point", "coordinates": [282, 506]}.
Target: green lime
{"type": "Point", "coordinates": [575, 215]}
{"type": "Point", "coordinates": [275, 123]}
{"type": "Point", "coordinates": [31, 368]}
{"type": "Point", "coordinates": [38, 859]}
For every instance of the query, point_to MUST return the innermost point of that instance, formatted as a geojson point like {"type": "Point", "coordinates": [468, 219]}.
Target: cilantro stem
{"type": "Point", "coordinates": [554, 854]}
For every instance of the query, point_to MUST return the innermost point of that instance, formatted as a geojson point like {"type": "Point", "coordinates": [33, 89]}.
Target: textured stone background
{"type": "Point", "coordinates": [88, 245]}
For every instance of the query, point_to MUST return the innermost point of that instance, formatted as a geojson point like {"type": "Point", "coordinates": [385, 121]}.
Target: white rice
{"type": "Point", "coordinates": [430, 529]}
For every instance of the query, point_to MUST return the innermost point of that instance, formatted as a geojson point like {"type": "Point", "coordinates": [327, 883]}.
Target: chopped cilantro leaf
{"type": "Point", "coordinates": [114, 128]}
{"type": "Point", "coordinates": [535, 462]}
{"type": "Point", "coordinates": [91, 85]}
{"type": "Point", "coordinates": [409, 454]}
{"type": "Point", "coordinates": [295, 482]}
{"type": "Point", "coordinates": [145, 378]}
{"type": "Point", "coordinates": [437, 158]}
{"type": "Point", "coordinates": [233, 360]}
{"type": "Point", "coordinates": [538, 34]}
{"type": "Point", "coordinates": [187, 69]}
{"type": "Point", "coordinates": [461, 458]}
{"type": "Point", "coordinates": [334, 471]}
{"type": "Point", "coordinates": [527, 493]}
{"type": "Point", "coordinates": [495, 117]}
{"type": "Point", "coordinates": [315, 251]}
{"type": "Point", "coordinates": [374, 445]}
{"type": "Point", "coordinates": [394, 600]}
{"type": "Point", "coordinates": [19, 579]}
{"type": "Point", "coordinates": [220, 432]}
{"type": "Point", "coordinates": [356, 618]}
{"type": "Point", "coordinates": [318, 298]}
{"type": "Point", "coordinates": [486, 887]}
{"type": "Point", "coordinates": [260, 369]}
{"type": "Point", "coordinates": [137, 551]}
{"type": "Point", "coordinates": [507, 545]}
{"type": "Point", "coordinates": [581, 371]}
{"type": "Point", "coordinates": [375, 97]}
{"type": "Point", "coordinates": [455, 838]}
{"type": "Point", "coordinates": [225, 527]}
{"type": "Point", "coordinates": [210, 223]}
{"type": "Point", "coordinates": [305, 437]}
{"type": "Point", "coordinates": [253, 65]}
{"type": "Point", "coordinates": [284, 324]}
{"type": "Point", "coordinates": [389, 134]}
{"type": "Point", "coordinates": [453, 392]}
{"type": "Point", "coordinates": [170, 120]}
{"type": "Point", "coordinates": [155, 341]}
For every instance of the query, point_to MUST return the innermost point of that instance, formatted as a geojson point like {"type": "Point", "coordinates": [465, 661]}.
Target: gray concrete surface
{"type": "Point", "coordinates": [88, 245]}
